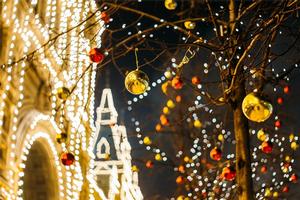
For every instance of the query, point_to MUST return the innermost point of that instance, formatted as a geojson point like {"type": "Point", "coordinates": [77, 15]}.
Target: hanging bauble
{"type": "Point", "coordinates": [261, 135]}
{"type": "Point", "coordinates": [221, 137]}
{"type": "Point", "coordinates": [197, 123]}
{"type": "Point", "coordinates": [268, 192]}
{"type": "Point", "coordinates": [105, 17]}
{"type": "Point", "coordinates": [280, 100]}
{"type": "Point", "coordinates": [158, 127]}
{"type": "Point", "coordinates": [294, 145]}
{"type": "Point", "coordinates": [96, 55]}
{"type": "Point", "coordinates": [179, 180]}
{"type": "Point", "coordinates": [264, 169]}
{"type": "Point", "coordinates": [186, 159]}
{"type": "Point", "coordinates": [177, 83]}
{"type": "Point", "coordinates": [164, 120]}
{"type": "Point", "coordinates": [228, 173]}
{"type": "Point", "coordinates": [286, 89]}
{"type": "Point", "coordinates": [134, 168]}
{"type": "Point", "coordinates": [285, 168]}
{"type": "Point", "coordinates": [165, 86]}
{"type": "Point", "coordinates": [189, 25]}
{"type": "Point", "coordinates": [63, 93]}
{"type": "Point", "coordinates": [216, 154]}
{"type": "Point", "coordinates": [136, 82]}
{"type": "Point", "coordinates": [158, 157]}
{"type": "Point", "coordinates": [170, 4]}
{"type": "Point", "coordinates": [61, 137]}
{"type": "Point", "coordinates": [277, 124]}
{"type": "Point", "coordinates": [149, 164]}
{"type": "Point", "coordinates": [181, 169]}
{"type": "Point", "coordinates": [170, 104]}
{"type": "Point", "coordinates": [287, 159]}
{"type": "Point", "coordinates": [67, 158]}
{"type": "Point", "coordinates": [267, 147]}
{"type": "Point", "coordinates": [285, 189]}
{"type": "Point", "coordinates": [256, 109]}
{"type": "Point", "coordinates": [275, 194]}
{"type": "Point", "coordinates": [166, 110]}
{"type": "Point", "coordinates": [168, 74]}
{"type": "Point", "coordinates": [178, 98]}
{"type": "Point", "coordinates": [147, 141]}
{"type": "Point", "coordinates": [294, 178]}
{"type": "Point", "coordinates": [195, 80]}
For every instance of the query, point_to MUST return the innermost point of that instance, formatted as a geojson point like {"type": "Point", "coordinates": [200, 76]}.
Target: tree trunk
{"type": "Point", "coordinates": [243, 160]}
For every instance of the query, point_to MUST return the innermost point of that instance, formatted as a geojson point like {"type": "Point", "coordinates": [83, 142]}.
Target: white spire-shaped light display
{"type": "Point", "coordinates": [111, 167]}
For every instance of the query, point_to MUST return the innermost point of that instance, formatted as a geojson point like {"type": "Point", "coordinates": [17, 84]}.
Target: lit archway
{"type": "Point", "coordinates": [40, 174]}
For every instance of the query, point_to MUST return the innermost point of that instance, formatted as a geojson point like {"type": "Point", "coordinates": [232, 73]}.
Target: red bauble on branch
{"type": "Point", "coordinates": [67, 158]}
{"type": "Point", "coordinates": [196, 80]}
{"type": "Point", "coordinates": [280, 100]}
{"type": "Point", "coordinates": [96, 55]}
{"type": "Point", "coordinates": [264, 169]}
{"type": "Point", "coordinates": [267, 147]}
{"type": "Point", "coordinates": [228, 173]}
{"type": "Point", "coordinates": [216, 154]}
{"type": "Point", "coordinates": [177, 83]}
{"type": "Point", "coordinates": [286, 89]}
{"type": "Point", "coordinates": [277, 123]}
{"type": "Point", "coordinates": [149, 164]}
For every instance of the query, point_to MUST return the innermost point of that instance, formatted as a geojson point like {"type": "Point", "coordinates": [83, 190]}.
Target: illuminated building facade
{"type": "Point", "coordinates": [44, 46]}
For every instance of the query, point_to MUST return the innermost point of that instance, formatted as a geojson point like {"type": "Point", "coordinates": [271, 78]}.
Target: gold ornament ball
{"type": "Point", "coordinates": [168, 74]}
{"type": "Point", "coordinates": [61, 137]}
{"type": "Point", "coordinates": [158, 157]}
{"type": "Point", "coordinates": [197, 124]}
{"type": "Point", "coordinates": [256, 109]}
{"type": "Point", "coordinates": [189, 25]}
{"type": "Point", "coordinates": [63, 93]}
{"type": "Point", "coordinates": [136, 82]}
{"type": "Point", "coordinates": [170, 104]}
{"type": "Point", "coordinates": [261, 135]}
{"type": "Point", "coordinates": [294, 146]}
{"type": "Point", "coordinates": [170, 4]}
{"type": "Point", "coordinates": [147, 141]}
{"type": "Point", "coordinates": [221, 137]}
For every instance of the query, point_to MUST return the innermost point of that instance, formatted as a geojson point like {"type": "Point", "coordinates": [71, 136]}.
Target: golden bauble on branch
{"type": "Point", "coordinates": [61, 137]}
{"type": "Point", "coordinates": [63, 93]}
{"type": "Point", "coordinates": [136, 82]}
{"type": "Point", "coordinates": [256, 109]}
{"type": "Point", "coordinates": [170, 4]}
{"type": "Point", "coordinates": [189, 25]}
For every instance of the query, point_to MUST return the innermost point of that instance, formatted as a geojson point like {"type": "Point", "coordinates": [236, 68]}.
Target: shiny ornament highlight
{"type": "Point", "coordinates": [216, 154]}
{"type": "Point", "coordinates": [189, 25]}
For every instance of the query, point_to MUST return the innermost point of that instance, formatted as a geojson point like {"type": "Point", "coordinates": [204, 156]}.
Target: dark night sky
{"type": "Point", "coordinates": [158, 183]}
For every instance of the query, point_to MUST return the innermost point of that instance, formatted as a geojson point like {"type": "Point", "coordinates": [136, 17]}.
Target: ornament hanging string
{"type": "Point", "coordinates": [136, 58]}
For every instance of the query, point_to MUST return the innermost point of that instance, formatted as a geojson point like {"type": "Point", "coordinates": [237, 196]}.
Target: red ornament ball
{"type": "Point", "coordinates": [177, 83]}
{"type": "Point", "coordinates": [285, 189]}
{"type": "Point", "coordinates": [286, 89]}
{"type": "Point", "coordinates": [95, 55]}
{"type": "Point", "coordinates": [149, 164]}
{"type": "Point", "coordinates": [179, 180]}
{"type": "Point", "coordinates": [104, 16]}
{"type": "Point", "coordinates": [277, 124]}
{"type": "Point", "coordinates": [264, 169]}
{"type": "Point", "coordinates": [195, 80]}
{"type": "Point", "coordinates": [228, 173]}
{"type": "Point", "coordinates": [280, 100]}
{"type": "Point", "coordinates": [67, 158]}
{"type": "Point", "coordinates": [267, 147]}
{"type": "Point", "coordinates": [216, 154]}
{"type": "Point", "coordinates": [294, 178]}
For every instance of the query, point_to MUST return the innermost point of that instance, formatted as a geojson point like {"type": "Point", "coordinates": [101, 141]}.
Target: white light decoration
{"type": "Point", "coordinates": [119, 163]}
